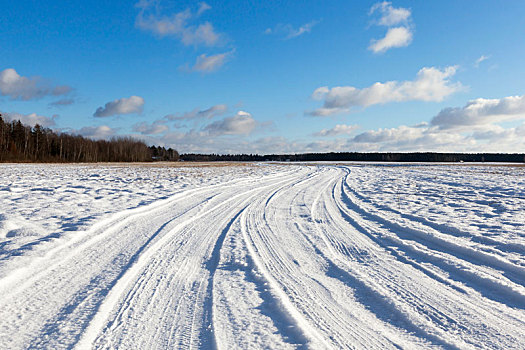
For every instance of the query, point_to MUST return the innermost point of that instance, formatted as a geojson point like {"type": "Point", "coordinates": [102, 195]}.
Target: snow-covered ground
{"type": "Point", "coordinates": [262, 256]}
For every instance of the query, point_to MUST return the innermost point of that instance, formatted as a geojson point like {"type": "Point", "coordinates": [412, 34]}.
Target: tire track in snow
{"type": "Point", "coordinates": [375, 302]}
{"type": "Point", "coordinates": [306, 334]}
{"type": "Point", "coordinates": [476, 313]}
{"type": "Point", "coordinates": [324, 273]}
{"type": "Point", "coordinates": [436, 242]}
{"type": "Point", "coordinates": [498, 246]}
{"type": "Point", "coordinates": [207, 333]}
{"type": "Point", "coordinates": [311, 298]}
{"type": "Point", "coordinates": [22, 277]}
{"type": "Point", "coordinates": [270, 307]}
{"type": "Point", "coordinates": [510, 294]}
{"type": "Point", "coordinates": [98, 323]}
{"type": "Point", "coordinates": [61, 271]}
{"type": "Point", "coordinates": [69, 274]}
{"type": "Point", "coordinates": [88, 300]}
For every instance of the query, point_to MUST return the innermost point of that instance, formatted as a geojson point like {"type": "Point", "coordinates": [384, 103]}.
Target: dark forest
{"type": "Point", "coordinates": [22, 143]}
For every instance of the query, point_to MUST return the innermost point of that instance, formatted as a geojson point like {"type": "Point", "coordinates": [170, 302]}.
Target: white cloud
{"type": "Point", "coordinates": [157, 127]}
{"type": "Point", "coordinates": [430, 84]}
{"type": "Point", "coordinates": [472, 128]}
{"type": "Point", "coordinates": [339, 129]}
{"type": "Point", "coordinates": [399, 36]}
{"type": "Point", "coordinates": [432, 139]}
{"type": "Point", "coordinates": [129, 105]}
{"type": "Point", "coordinates": [240, 124]}
{"type": "Point", "coordinates": [30, 119]}
{"type": "Point", "coordinates": [211, 63]}
{"type": "Point", "coordinates": [289, 32]}
{"type": "Point", "coordinates": [480, 59]}
{"type": "Point", "coordinates": [498, 139]}
{"type": "Point", "coordinates": [390, 16]}
{"type": "Point", "coordinates": [419, 138]}
{"type": "Point", "coordinates": [96, 132]}
{"type": "Point", "coordinates": [200, 114]}
{"type": "Point", "coordinates": [178, 25]}
{"type": "Point", "coordinates": [395, 37]}
{"type": "Point", "coordinates": [18, 87]}
{"type": "Point", "coordinates": [401, 133]}
{"type": "Point", "coordinates": [481, 112]}
{"type": "Point", "coordinates": [209, 138]}
{"type": "Point", "coordinates": [410, 139]}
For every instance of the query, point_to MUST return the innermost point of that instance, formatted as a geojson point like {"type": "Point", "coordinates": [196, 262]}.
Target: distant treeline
{"type": "Point", "coordinates": [22, 143]}
{"type": "Point", "coordinates": [362, 157]}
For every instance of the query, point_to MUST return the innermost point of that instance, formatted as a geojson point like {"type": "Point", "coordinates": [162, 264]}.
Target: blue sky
{"type": "Point", "coordinates": [274, 76]}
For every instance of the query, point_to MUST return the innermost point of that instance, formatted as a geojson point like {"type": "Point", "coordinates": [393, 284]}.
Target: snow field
{"type": "Point", "coordinates": [262, 256]}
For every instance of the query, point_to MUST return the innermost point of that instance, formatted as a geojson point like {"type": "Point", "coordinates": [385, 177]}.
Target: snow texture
{"type": "Point", "coordinates": [262, 256]}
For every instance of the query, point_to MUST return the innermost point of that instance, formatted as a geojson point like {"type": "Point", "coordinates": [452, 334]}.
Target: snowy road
{"type": "Point", "coordinates": [276, 257]}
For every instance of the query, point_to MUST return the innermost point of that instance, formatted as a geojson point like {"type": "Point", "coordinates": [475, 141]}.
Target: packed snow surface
{"type": "Point", "coordinates": [262, 256]}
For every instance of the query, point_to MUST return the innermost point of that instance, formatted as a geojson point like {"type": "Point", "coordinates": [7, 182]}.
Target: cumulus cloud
{"type": "Point", "coordinates": [400, 31]}
{"type": "Point", "coordinates": [240, 124]}
{"type": "Point", "coordinates": [432, 139]}
{"type": "Point", "coordinates": [339, 129]}
{"type": "Point", "coordinates": [401, 133]}
{"type": "Point", "coordinates": [129, 105]}
{"type": "Point", "coordinates": [399, 139]}
{"type": "Point", "coordinates": [96, 132]}
{"type": "Point", "coordinates": [395, 37]}
{"type": "Point", "coordinates": [178, 25]}
{"type": "Point", "coordinates": [208, 64]}
{"type": "Point", "coordinates": [389, 15]}
{"type": "Point", "coordinates": [472, 128]}
{"type": "Point", "coordinates": [410, 139]}
{"type": "Point", "coordinates": [430, 84]}
{"type": "Point", "coordinates": [18, 87]}
{"type": "Point", "coordinates": [157, 127]}
{"type": "Point", "coordinates": [30, 119]}
{"type": "Point", "coordinates": [423, 137]}
{"type": "Point", "coordinates": [510, 139]}
{"type": "Point", "coordinates": [289, 32]}
{"type": "Point", "coordinates": [208, 113]}
{"type": "Point", "coordinates": [481, 112]}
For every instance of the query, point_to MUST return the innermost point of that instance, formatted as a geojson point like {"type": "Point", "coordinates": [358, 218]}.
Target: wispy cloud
{"type": "Point", "coordinates": [18, 87]}
{"type": "Point", "coordinates": [155, 128]}
{"type": "Point", "coordinates": [400, 31]}
{"type": "Point", "coordinates": [208, 113]}
{"type": "Point", "coordinates": [208, 64]}
{"type": "Point", "coordinates": [203, 7]}
{"type": "Point", "coordinates": [430, 84]}
{"type": "Point", "coordinates": [128, 105]}
{"type": "Point", "coordinates": [62, 102]}
{"type": "Point", "coordinates": [480, 59]}
{"type": "Point", "coordinates": [178, 25]}
{"type": "Point", "coordinates": [287, 31]}
{"type": "Point", "coordinates": [339, 129]}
